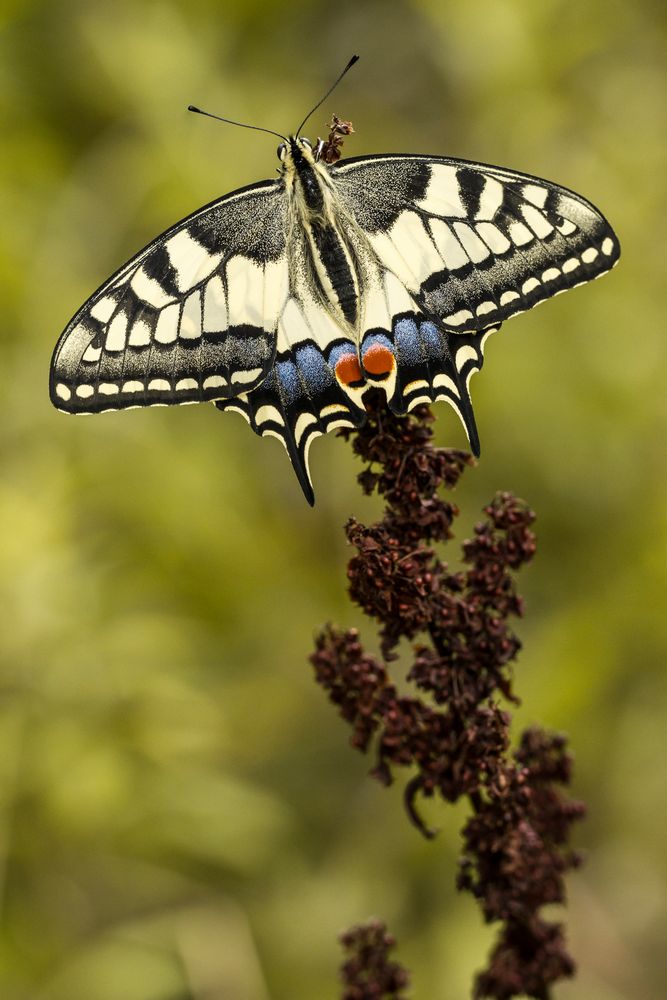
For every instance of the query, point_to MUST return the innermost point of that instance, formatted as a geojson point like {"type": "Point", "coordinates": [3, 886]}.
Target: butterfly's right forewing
{"type": "Point", "coordinates": [192, 317]}
{"type": "Point", "coordinates": [474, 244]}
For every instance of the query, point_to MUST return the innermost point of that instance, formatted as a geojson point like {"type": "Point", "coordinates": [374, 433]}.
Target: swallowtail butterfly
{"type": "Point", "coordinates": [285, 300]}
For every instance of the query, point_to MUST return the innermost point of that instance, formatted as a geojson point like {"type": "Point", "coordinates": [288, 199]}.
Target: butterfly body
{"type": "Point", "coordinates": [313, 207]}
{"type": "Point", "coordinates": [285, 300]}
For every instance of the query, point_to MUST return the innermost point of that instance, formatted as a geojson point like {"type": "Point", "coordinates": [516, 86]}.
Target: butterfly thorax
{"type": "Point", "coordinates": [315, 219]}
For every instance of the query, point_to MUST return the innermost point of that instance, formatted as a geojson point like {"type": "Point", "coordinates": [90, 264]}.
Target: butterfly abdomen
{"type": "Point", "coordinates": [334, 268]}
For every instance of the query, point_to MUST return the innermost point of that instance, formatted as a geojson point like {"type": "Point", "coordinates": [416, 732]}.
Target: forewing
{"type": "Point", "coordinates": [474, 244]}
{"type": "Point", "coordinates": [191, 318]}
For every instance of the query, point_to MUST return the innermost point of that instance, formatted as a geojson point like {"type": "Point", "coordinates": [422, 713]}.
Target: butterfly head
{"type": "Point", "coordinates": [295, 151]}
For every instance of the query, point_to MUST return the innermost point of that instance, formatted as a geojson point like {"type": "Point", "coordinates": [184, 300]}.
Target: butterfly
{"type": "Point", "coordinates": [286, 300]}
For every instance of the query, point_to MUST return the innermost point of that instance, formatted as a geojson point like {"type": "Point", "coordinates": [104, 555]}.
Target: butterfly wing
{"type": "Point", "coordinates": [191, 318]}
{"type": "Point", "coordinates": [474, 244]}
{"type": "Point", "coordinates": [315, 384]}
{"type": "Point", "coordinates": [223, 306]}
{"type": "Point", "coordinates": [413, 358]}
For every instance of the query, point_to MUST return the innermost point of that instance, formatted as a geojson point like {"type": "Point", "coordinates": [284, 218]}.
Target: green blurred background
{"type": "Point", "coordinates": [180, 813]}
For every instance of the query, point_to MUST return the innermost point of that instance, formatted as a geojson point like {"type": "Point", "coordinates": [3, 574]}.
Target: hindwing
{"type": "Point", "coordinates": [412, 356]}
{"type": "Point", "coordinates": [315, 384]}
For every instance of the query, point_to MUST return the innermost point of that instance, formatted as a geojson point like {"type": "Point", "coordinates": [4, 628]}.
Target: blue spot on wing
{"type": "Point", "coordinates": [339, 350]}
{"type": "Point", "coordinates": [406, 327]}
{"type": "Point", "coordinates": [377, 340]}
{"type": "Point", "coordinates": [432, 339]}
{"type": "Point", "coordinates": [313, 369]}
{"type": "Point", "coordinates": [374, 340]}
{"type": "Point", "coordinates": [418, 340]}
{"type": "Point", "coordinates": [407, 341]}
{"type": "Point", "coordinates": [289, 383]}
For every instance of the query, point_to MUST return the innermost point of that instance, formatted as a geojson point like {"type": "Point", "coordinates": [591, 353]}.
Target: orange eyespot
{"type": "Point", "coordinates": [348, 369]}
{"type": "Point", "coordinates": [379, 360]}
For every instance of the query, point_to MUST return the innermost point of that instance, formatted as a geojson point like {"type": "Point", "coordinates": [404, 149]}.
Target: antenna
{"type": "Point", "coordinates": [229, 121]}
{"type": "Point", "coordinates": [333, 86]}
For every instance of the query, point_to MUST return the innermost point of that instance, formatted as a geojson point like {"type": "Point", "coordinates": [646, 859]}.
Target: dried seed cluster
{"type": "Point", "coordinates": [367, 972]}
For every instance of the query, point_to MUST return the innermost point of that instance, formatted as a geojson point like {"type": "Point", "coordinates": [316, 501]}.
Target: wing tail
{"type": "Point", "coordinates": [302, 398]}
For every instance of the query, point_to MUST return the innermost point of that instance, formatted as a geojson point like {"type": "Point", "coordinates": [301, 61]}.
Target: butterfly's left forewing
{"type": "Point", "coordinates": [191, 318]}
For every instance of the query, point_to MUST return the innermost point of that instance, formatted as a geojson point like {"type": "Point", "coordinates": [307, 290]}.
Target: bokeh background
{"type": "Point", "coordinates": [180, 813]}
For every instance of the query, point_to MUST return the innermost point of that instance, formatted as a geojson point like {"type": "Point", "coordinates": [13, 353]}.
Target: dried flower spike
{"type": "Point", "coordinates": [457, 742]}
